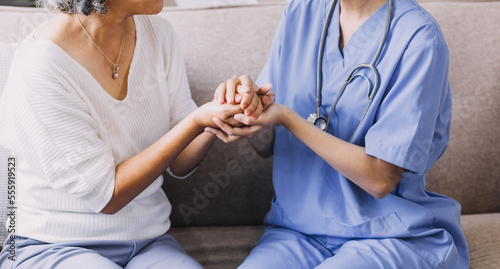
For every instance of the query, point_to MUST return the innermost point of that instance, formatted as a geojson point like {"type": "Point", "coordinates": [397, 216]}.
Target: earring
{"type": "Point", "coordinates": [100, 6]}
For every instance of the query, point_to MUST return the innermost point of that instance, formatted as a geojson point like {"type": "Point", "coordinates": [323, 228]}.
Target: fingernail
{"type": "Point", "coordinates": [238, 117]}
{"type": "Point", "coordinates": [248, 112]}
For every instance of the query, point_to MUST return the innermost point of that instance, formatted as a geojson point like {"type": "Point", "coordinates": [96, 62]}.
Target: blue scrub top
{"type": "Point", "coordinates": [407, 124]}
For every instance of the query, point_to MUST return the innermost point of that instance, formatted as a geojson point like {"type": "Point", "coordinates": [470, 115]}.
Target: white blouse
{"type": "Point", "coordinates": [68, 134]}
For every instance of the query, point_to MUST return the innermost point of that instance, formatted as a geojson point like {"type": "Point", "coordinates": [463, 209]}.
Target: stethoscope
{"type": "Point", "coordinates": [318, 119]}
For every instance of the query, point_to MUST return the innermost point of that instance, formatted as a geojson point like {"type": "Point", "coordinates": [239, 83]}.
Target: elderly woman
{"type": "Point", "coordinates": [96, 108]}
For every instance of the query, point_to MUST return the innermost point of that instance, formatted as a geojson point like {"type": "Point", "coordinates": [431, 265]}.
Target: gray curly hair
{"type": "Point", "coordinates": [74, 6]}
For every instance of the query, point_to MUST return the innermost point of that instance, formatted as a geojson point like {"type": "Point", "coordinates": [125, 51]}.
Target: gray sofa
{"type": "Point", "coordinates": [218, 211]}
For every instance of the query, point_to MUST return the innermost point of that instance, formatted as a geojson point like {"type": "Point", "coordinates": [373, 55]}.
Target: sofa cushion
{"type": "Point", "coordinates": [482, 232]}
{"type": "Point", "coordinates": [469, 170]}
{"type": "Point", "coordinates": [218, 247]}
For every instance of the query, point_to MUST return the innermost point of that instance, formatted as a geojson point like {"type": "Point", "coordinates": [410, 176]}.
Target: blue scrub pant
{"type": "Point", "coordinates": [162, 252]}
{"type": "Point", "coordinates": [281, 248]}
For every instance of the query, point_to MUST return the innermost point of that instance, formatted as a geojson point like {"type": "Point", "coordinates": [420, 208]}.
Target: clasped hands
{"type": "Point", "coordinates": [240, 109]}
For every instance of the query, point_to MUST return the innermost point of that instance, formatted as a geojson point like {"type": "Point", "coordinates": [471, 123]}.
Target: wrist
{"type": "Point", "coordinates": [199, 119]}
{"type": "Point", "coordinates": [286, 116]}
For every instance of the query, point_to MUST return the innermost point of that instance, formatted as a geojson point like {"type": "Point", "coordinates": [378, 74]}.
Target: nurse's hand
{"type": "Point", "coordinates": [272, 116]}
{"type": "Point", "coordinates": [275, 115]}
{"type": "Point", "coordinates": [229, 132]}
{"type": "Point", "coordinates": [242, 90]}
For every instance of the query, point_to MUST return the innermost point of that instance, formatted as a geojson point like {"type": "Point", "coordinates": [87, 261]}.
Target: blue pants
{"type": "Point", "coordinates": [161, 252]}
{"type": "Point", "coordinates": [281, 248]}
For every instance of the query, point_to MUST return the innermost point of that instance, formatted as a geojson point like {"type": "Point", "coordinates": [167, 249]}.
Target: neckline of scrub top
{"type": "Point", "coordinates": [370, 31]}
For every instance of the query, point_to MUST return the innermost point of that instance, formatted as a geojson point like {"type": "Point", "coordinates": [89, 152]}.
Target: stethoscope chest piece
{"type": "Point", "coordinates": [318, 120]}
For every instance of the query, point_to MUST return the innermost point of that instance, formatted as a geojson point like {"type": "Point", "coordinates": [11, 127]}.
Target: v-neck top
{"type": "Point", "coordinates": [68, 135]}
{"type": "Point", "coordinates": [407, 124]}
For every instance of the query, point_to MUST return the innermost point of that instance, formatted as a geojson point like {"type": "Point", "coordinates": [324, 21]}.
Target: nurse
{"type": "Point", "coordinates": [363, 203]}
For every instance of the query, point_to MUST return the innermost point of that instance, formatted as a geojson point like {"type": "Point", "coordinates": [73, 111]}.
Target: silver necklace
{"type": "Point", "coordinates": [115, 65]}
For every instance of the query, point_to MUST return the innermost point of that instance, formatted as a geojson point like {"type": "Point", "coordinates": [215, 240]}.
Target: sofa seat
{"type": "Point", "coordinates": [482, 232]}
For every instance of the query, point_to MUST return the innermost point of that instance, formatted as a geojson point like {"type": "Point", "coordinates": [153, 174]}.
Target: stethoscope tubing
{"type": "Point", "coordinates": [319, 67]}
{"type": "Point", "coordinates": [350, 76]}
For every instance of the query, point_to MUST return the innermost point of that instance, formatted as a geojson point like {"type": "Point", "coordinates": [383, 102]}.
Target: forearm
{"type": "Point", "coordinates": [263, 142]}
{"type": "Point", "coordinates": [192, 155]}
{"type": "Point", "coordinates": [374, 175]}
{"type": "Point", "coordinates": [134, 175]}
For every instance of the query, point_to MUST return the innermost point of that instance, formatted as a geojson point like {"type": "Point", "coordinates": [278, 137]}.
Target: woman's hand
{"type": "Point", "coordinates": [204, 116]}
{"type": "Point", "coordinates": [242, 90]}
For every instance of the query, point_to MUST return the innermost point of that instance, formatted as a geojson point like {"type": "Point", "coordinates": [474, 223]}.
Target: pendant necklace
{"type": "Point", "coordinates": [115, 65]}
